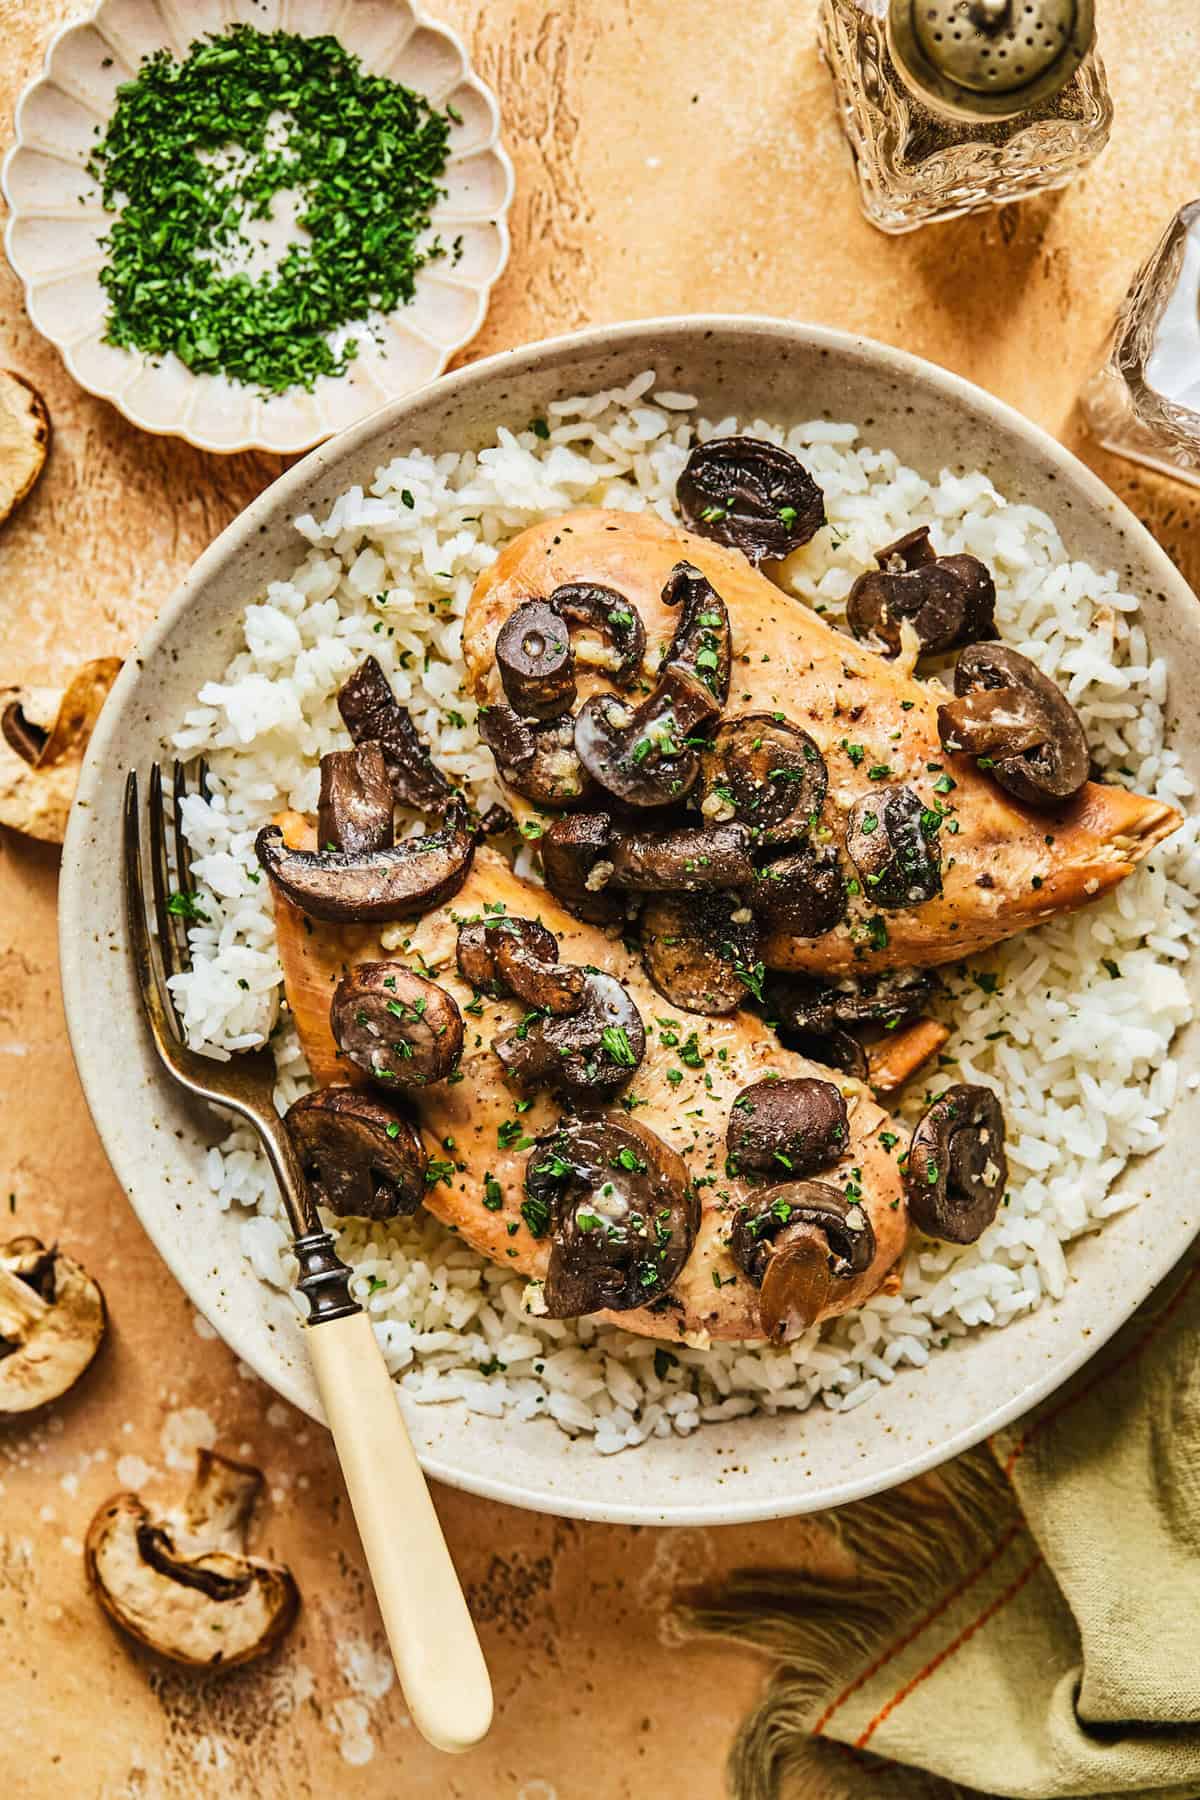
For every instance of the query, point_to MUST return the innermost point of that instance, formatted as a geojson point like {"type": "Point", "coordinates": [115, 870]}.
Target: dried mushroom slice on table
{"type": "Point", "coordinates": [52, 1320]}
{"type": "Point", "coordinates": [183, 1584]}
{"type": "Point", "coordinates": [43, 735]}
{"type": "Point", "coordinates": [24, 439]}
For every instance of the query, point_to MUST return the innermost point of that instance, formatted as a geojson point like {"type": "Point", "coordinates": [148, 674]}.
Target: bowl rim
{"type": "Point", "coordinates": [286, 492]}
{"type": "Point", "coordinates": [261, 440]}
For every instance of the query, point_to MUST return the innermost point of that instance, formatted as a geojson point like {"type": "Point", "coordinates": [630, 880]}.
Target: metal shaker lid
{"type": "Point", "coordinates": [989, 58]}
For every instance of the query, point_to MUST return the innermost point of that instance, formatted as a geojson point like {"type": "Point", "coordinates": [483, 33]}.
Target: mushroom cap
{"type": "Point", "coordinates": [611, 614]}
{"type": "Point", "coordinates": [398, 1027]}
{"type": "Point", "coordinates": [519, 957]}
{"type": "Point", "coordinates": [589, 1052]}
{"type": "Point", "coordinates": [750, 494]}
{"type": "Point", "coordinates": [183, 1586]}
{"type": "Point", "coordinates": [799, 1243]}
{"type": "Point", "coordinates": [355, 810]}
{"type": "Point", "coordinates": [699, 950]}
{"type": "Point", "coordinates": [788, 1127]}
{"type": "Point", "coordinates": [576, 865]}
{"type": "Point", "coordinates": [803, 892]}
{"type": "Point", "coordinates": [688, 859]}
{"type": "Point", "coordinates": [536, 661]}
{"type": "Point", "coordinates": [1047, 771]}
{"type": "Point", "coordinates": [363, 1158]}
{"type": "Point", "coordinates": [397, 883]}
{"type": "Point", "coordinates": [957, 1167]}
{"type": "Point", "coordinates": [52, 1320]}
{"type": "Point", "coordinates": [767, 774]}
{"type": "Point", "coordinates": [536, 758]}
{"type": "Point", "coordinates": [372, 714]}
{"type": "Point", "coordinates": [891, 838]}
{"type": "Point", "coordinates": [947, 600]}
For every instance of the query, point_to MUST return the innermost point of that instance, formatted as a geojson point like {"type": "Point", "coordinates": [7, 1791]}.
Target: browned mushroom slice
{"type": "Point", "coordinates": [686, 861]}
{"type": "Point", "coordinates": [1021, 726]}
{"type": "Point", "coordinates": [372, 713]}
{"type": "Point", "coordinates": [592, 1051]}
{"type": "Point", "coordinates": [354, 812]}
{"type": "Point", "coordinates": [642, 756]}
{"type": "Point", "coordinates": [620, 1210]}
{"type": "Point", "coordinates": [362, 1157]}
{"type": "Point", "coordinates": [703, 641]}
{"type": "Point", "coordinates": [397, 1027]}
{"type": "Point", "coordinates": [804, 893]}
{"type": "Point", "coordinates": [536, 662]}
{"type": "Point", "coordinates": [805, 1003]}
{"type": "Point", "coordinates": [800, 1243]}
{"type": "Point", "coordinates": [701, 951]}
{"type": "Point", "coordinates": [397, 883]}
{"type": "Point", "coordinates": [948, 600]}
{"type": "Point", "coordinates": [183, 1584]}
{"type": "Point", "coordinates": [891, 838]}
{"type": "Point", "coordinates": [520, 957]}
{"type": "Point", "coordinates": [536, 760]}
{"type": "Point", "coordinates": [613, 616]}
{"type": "Point", "coordinates": [767, 774]}
{"type": "Point", "coordinates": [52, 1319]}
{"type": "Point", "coordinates": [796, 1126]}
{"type": "Point", "coordinates": [750, 494]}
{"type": "Point", "coordinates": [957, 1167]}
{"type": "Point", "coordinates": [577, 866]}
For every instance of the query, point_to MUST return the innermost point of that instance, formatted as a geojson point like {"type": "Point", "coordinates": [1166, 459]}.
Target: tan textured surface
{"type": "Point", "coordinates": [667, 160]}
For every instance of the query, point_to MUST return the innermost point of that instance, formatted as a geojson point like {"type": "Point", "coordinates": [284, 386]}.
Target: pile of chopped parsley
{"type": "Point", "coordinates": [194, 154]}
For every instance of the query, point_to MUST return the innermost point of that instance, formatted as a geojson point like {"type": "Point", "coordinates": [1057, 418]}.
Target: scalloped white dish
{"type": "Point", "coordinates": [57, 219]}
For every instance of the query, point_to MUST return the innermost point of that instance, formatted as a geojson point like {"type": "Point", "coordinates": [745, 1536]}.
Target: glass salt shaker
{"type": "Point", "coordinates": [1145, 401]}
{"type": "Point", "coordinates": [953, 105]}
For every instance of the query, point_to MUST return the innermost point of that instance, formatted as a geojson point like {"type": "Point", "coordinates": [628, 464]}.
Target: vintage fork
{"type": "Point", "coordinates": [432, 1637]}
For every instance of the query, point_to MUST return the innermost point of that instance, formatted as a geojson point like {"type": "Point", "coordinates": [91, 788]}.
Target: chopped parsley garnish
{"type": "Point", "coordinates": [616, 1042]}
{"type": "Point", "coordinates": [536, 1214]}
{"type": "Point", "coordinates": [186, 906]}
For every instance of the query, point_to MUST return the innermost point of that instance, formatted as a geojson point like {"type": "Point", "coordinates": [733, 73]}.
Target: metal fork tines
{"type": "Point", "coordinates": [161, 950]}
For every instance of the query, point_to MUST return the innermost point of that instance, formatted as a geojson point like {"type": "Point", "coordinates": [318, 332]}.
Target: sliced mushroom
{"type": "Point", "coordinates": [577, 866]}
{"type": "Point", "coordinates": [24, 439]}
{"type": "Point", "coordinates": [354, 812]}
{"type": "Point", "coordinates": [1021, 726]}
{"type": "Point", "coordinates": [948, 600]}
{"type": "Point", "coordinates": [536, 760]}
{"type": "Point", "coordinates": [686, 861]}
{"type": "Point", "coordinates": [52, 1318]}
{"type": "Point", "coordinates": [398, 883]}
{"type": "Point", "coordinates": [750, 494]}
{"type": "Point", "coordinates": [957, 1167]}
{"type": "Point", "coordinates": [622, 1213]}
{"type": "Point", "coordinates": [703, 640]}
{"type": "Point", "coordinates": [591, 1051]}
{"type": "Point", "coordinates": [372, 713]}
{"type": "Point", "coordinates": [397, 1027]}
{"type": "Point", "coordinates": [765, 773]}
{"type": "Point", "coordinates": [363, 1158]}
{"type": "Point", "coordinates": [643, 756]}
{"type": "Point", "coordinates": [613, 616]}
{"type": "Point", "coordinates": [803, 894]}
{"type": "Point", "coordinates": [805, 1003]}
{"type": "Point", "coordinates": [183, 1584]}
{"type": "Point", "coordinates": [43, 735]}
{"type": "Point", "coordinates": [800, 1243]}
{"type": "Point", "coordinates": [891, 838]}
{"type": "Point", "coordinates": [701, 951]}
{"type": "Point", "coordinates": [519, 957]}
{"type": "Point", "coordinates": [796, 1126]}
{"type": "Point", "coordinates": [536, 662]}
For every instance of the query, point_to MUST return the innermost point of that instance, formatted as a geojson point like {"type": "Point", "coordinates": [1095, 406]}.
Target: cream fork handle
{"type": "Point", "coordinates": [429, 1628]}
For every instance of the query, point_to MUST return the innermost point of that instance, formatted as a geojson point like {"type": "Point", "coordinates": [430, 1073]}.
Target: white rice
{"type": "Point", "coordinates": [1075, 1037]}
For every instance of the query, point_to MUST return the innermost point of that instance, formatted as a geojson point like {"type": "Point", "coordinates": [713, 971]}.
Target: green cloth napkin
{"type": "Point", "coordinates": [1025, 1624]}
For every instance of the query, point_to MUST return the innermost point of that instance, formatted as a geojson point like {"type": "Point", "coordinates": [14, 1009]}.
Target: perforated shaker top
{"type": "Point", "coordinates": [990, 57]}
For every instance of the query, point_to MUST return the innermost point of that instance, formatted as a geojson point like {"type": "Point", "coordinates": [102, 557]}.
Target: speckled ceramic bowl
{"type": "Point", "coordinates": [57, 218]}
{"type": "Point", "coordinates": [752, 1467]}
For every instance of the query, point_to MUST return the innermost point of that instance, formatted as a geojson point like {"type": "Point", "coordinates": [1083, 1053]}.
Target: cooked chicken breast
{"type": "Point", "coordinates": [1005, 866]}
{"type": "Point", "coordinates": [693, 1071]}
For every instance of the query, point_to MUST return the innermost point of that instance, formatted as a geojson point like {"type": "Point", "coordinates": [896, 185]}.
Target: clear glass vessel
{"type": "Point", "coordinates": [1145, 401]}
{"type": "Point", "coordinates": [953, 105]}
